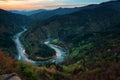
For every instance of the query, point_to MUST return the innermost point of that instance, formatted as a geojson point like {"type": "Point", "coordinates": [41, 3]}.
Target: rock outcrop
{"type": "Point", "coordinates": [12, 76]}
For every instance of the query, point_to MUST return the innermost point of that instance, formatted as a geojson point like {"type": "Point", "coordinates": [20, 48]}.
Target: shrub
{"type": "Point", "coordinates": [7, 64]}
{"type": "Point", "coordinates": [27, 71]}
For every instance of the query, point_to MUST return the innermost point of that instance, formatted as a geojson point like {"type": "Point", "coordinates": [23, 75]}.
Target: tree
{"type": "Point", "coordinates": [7, 64]}
{"type": "Point", "coordinates": [27, 71]}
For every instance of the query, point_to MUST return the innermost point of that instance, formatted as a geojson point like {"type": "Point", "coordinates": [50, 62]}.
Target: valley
{"type": "Point", "coordinates": [80, 43]}
{"type": "Point", "coordinates": [59, 56]}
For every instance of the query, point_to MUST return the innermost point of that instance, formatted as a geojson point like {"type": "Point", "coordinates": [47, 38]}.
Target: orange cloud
{"type": "Point", "coordinates": [23, 4]}
{"type": "Point", "coordinates": [18, 6]}
{"type": "Point", "coordinates": [32, 4]}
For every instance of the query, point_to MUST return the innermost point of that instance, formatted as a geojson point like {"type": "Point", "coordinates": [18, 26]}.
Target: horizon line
{"type": "Point", "coordinates": [55, 7]}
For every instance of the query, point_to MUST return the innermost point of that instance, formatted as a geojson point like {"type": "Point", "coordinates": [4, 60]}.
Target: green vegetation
{"type": "Point", "coordinates": [10, 24]}
{"type": "Point", "coordinates": [27, 71]}
{"type": "Point", "coordinates": [7, 44]}
{"type": "Point", "coordinates": [44, 53]}
{"type": "Point", "coordinates": [92, 41]}
{"type": "Point", "coordinates": [38, 51]}
{"type": "Point", "coordinates": [55, 41]}
{"type": "Point", "coordinates": [90, 36]}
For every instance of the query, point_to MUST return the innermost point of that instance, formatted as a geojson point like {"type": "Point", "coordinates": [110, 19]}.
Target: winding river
{"type": "Point", "coordinates": [60, 54]}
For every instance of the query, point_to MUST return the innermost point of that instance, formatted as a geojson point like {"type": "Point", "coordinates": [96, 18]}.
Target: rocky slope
{"type": "Point", "coordinates": [11, 76]}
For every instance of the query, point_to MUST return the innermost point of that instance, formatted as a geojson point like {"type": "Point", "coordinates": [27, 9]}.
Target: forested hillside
{"type": "Point", "coordinates": [90, 37]}
{"type": "Point", "coordinates": [9, 25]}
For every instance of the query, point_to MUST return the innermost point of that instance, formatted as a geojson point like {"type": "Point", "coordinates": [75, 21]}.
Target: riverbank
{"type": "Point", "coordinates": [23, 56]}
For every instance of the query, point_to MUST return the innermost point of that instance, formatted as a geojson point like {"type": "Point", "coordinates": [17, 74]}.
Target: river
{"type": "Point", "coordinates": [60, 54]}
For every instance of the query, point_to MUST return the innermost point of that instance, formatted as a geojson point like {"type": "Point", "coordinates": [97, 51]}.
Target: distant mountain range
{"type": "Point", "coordinates": [43, 14]}
{"type": "Point", "coordinates": [59, 11]}
{"type": "Point", "coordinates": [27, 12]}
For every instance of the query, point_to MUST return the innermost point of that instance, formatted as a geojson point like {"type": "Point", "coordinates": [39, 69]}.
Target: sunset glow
{"type": "Point", "coordinates": [40, 4]}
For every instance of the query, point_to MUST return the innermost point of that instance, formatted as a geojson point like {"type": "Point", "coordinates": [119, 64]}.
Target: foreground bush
{"type": "Point", "coordinates": [7, 64]}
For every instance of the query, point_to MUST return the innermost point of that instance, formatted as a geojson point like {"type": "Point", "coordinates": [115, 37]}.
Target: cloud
{"type": "Point", "coordinates": [11, 0]}
{"type": "Point", "coordinates": [25, 4]}
{"type": "Point", "coordinates": [29, 0]}
{"type": "Point", "coordinates": [37, 4]}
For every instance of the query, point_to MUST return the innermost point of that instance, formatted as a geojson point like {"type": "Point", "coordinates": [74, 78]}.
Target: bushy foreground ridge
{"type": "Point", "coordinates": [26, 71]}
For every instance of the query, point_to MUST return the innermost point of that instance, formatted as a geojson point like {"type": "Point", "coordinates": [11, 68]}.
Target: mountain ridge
{"type": "Point", "coordinates": [27, 12]}
{"type": "Point", "coordinates": [98, 20]}
{"type": "Point", "coordinates": [50, 13]}
{"type": "Point", "coordinates": [10, 24]}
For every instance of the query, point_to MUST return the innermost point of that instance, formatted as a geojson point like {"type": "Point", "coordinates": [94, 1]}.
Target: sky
{"type": "Point", "coordinates": [44, 4]}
